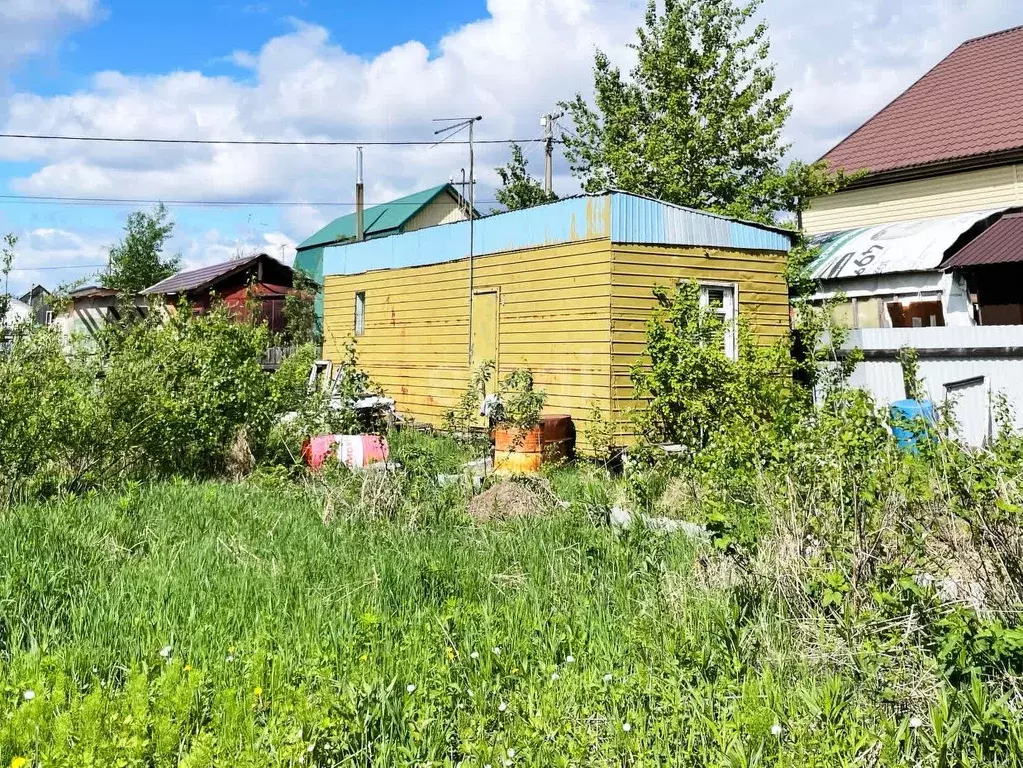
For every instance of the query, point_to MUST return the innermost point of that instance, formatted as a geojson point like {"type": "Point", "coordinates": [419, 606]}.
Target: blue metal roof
{"type": "Point", "coordinates": [617, 216]}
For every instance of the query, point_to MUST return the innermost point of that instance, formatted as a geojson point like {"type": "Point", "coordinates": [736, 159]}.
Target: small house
{"type": "Point", "coordinates": [259, 279]}
{"type": "Point", "coordinates": [428, 208]}
{"type": "Point", "coordinates": [563, 289]}
{"type": "Point", "coordinates": [90, 308]}
{"type": "Point", "coordinates": [40, 300]}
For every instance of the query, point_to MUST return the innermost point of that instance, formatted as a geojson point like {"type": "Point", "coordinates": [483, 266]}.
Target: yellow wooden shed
{"type": "Point", "coordinates": [563, 289]}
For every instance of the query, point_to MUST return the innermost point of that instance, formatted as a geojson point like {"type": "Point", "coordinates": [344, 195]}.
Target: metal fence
{"type": "Point", "coordinates": [966, 369]}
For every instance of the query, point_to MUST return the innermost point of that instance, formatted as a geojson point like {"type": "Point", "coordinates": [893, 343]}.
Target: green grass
{"type": "Point", "coordinates": [295, 643]}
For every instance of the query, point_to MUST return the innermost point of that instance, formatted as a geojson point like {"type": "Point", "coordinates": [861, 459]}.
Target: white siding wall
{"type": "Point", "coordinates": [443, 210]}
{"type": "Point", "coordinates": [941, 196]}
{"type": "Point", "coordinates": [948, 356]}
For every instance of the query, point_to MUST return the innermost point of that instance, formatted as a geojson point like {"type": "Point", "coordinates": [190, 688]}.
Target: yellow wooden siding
{"type": "Point", "coordinates": [443, 210]}
{"type": "Point", "coordinates": [923, 198]}
{"type": "Point", "coordinates": [637, 269]}
{"type": "Point", "coordinates": [554, 318]}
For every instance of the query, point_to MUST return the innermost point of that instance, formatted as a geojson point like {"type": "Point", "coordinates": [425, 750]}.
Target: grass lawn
{"type": "Point", "coordinates": [226, 625]}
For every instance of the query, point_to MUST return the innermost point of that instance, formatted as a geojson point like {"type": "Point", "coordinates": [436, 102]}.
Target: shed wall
{"type": "Point", "coordinates": [637, 269]}
{"type": "Point", "coordinates": [443, 210]}
{"type": "Point", "coordinates": [554, 318]}
{"type": "Point", "coordinates": [923, 198]}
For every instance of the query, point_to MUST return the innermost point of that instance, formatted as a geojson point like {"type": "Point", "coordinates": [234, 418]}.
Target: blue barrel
{"type": "Point", "coordinates": [912, 421]}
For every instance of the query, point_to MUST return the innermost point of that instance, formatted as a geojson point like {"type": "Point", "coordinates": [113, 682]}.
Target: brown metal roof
{"type": "Point", "coordinates": [198, 279]}
{"type": "Point", "coordinates": [969, 105]}
{"type": "Point", "coordinates": [1001, 243]}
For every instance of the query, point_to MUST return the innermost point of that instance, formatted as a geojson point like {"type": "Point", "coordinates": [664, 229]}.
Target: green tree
{"type": "Point", "coordinates": [6, 262]}
{"type": "Point", "coordinates": [698, 122]}
{"type": "Point", "coordinates": [137, 262]}
{"type": "Point", "coordinates": [518, 189]}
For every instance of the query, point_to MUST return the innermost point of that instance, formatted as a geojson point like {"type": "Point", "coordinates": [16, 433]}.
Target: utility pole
{"type": "Point", "coordinates": [458, 124]}
{"type": "Point", "coordinates": [547, 121]}
{"type": "Point", "coordinates": [360, 199]}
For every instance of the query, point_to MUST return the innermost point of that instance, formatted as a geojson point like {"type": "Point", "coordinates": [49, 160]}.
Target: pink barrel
{"type": "Point", "coordinates": [354, 451]}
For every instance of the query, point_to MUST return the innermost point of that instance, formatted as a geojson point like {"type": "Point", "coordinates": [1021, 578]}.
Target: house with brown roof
{"type": "Point", "coordinates": [921, 237]}
{"type": "Point", "coordinates": [258, 283]}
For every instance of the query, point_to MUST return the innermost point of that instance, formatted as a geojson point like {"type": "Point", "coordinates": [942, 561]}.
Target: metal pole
{"type": "Point", "coordinates": [360, 201]}
{"type": "Point", "coordinates": [472, 228]}
{"type": "Point", "coordinates": [548, 170]}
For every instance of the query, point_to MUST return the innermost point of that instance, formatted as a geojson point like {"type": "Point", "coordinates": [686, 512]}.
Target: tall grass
{"type": "Point", "coordinates": [226, 625]}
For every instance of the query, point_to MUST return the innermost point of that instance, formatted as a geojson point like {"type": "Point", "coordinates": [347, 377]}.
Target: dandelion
{"type": "Point", "coordinates": [19, 762]}
{"type": "Point", "coordinates": [497, 650]}
{"type": "Point", "coordinates": [570, 659]}
{"type": "Point", "coordinates": [411, 688]}
{"type": "Point", "coordinates": [915, 722]}
{"type": "Point", "coordinates": [364, 658]}
{"type": "Point", "coordinates": [474, 655]}
{"type": "Point", "coordinates": [165, 652]}
{"type": "Point", "coordinates": [502, 706]}
{"type": "Point", "coordinates": [257, 691]}
{"type": "Point", "coordinates": [29, 695]}
{"type": "Point", "coordinates": [626, 727]}
{"type": "Point", "coordinates": [555, 677]}
{"type": "Point", "coordinates": [515, 670]}
{"type": "Point", "coordinates": [608, 678]}
{"type": "Point", "coordinates": [776, 729]}
{"type": "Point", "coordinates": [451, 653]}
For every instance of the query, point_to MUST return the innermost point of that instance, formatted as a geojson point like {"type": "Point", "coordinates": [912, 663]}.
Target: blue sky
{"type": "Point", "coordinates": [313, 69]}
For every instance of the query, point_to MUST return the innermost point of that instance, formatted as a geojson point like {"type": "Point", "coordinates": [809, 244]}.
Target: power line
{"type": "Point", "coordinates": [64, 266]}
{"type": "Point", "coordinates": [54, 199]}
{"type": "Point", "coordinates": [252, 142]}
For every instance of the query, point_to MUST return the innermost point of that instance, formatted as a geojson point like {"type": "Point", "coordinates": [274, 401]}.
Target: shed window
{"type": "Point", "coordinates": [720, 298]}
{"type": "Point", "coordinates": [360, 313]}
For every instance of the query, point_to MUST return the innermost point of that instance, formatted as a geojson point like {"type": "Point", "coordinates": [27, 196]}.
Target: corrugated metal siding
{"type": "Point", "coordinates": [924, 198]}
{"type": "Point", "coordinates": [642, 220]}
{"type": "Point", "coordinates": [971, 353]}
{"type": "Point", "coordinates": [569, 221]}
{"type": "Point", "coordinates": [637, 269]}
{"type": "Point", "coordinates": [617, 216]}
{"type": "Point", "coordinates": [554, 319]}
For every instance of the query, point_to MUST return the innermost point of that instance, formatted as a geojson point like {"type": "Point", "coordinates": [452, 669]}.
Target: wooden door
{"type": "Point", "coordinates": [485, 331]}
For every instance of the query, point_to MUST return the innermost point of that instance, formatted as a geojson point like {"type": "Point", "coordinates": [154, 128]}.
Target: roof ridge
{"type": "Point", "coordinates": [989, 35]}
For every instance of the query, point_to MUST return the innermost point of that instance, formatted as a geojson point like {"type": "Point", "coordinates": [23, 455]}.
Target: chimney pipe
{"type": "Point", "coordinates": [360, 203]}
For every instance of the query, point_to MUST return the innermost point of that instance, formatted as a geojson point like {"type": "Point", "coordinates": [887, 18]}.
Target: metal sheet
{"type": "Point", "coordinates": [902, 246]}
{"type": "Point", "coordinates": [618, 216]}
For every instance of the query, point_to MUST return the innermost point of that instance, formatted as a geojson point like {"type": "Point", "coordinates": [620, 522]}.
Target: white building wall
{"type": "Point", "coordinates": [966, 369]}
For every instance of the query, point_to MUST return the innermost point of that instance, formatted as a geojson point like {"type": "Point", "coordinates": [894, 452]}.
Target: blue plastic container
{"type": "Point", "coordinates": [921, 415]}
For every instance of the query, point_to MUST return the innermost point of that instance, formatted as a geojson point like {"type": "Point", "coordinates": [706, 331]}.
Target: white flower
{"type": "Point", "coordinates": [474, 655]}
{"type": "Point", "coordinates": [488, 765]}
{"type": "Point", "coordinates": [311, 747]}
{"type": "Point", "coordinates": [608, 678]}
{"type": "Point", "coordinates": [555, 676]}
{"type": "Point", "coordinates": [497, 650]}
{"type": "Point", "coordinates": [166, 651]}
{"type": "Point", "coordinates": [776, 729]}
{"type": "Point", "coordinates": [626, 727]}
{"type": "Point", "coordinates": [570, 659]}
{"type": "Point", "coordinates": [915, 722]}
{"type": "Point", "coordinates": [511, 752]}
{"type": "Point", "coordinates": [502, 706]}
{"type": "Point", "coordinates": [29, 695]}
{"type": "Point", "coordinates": [411, 688]}
{"type": "Point", "coordinates": [229, 658]}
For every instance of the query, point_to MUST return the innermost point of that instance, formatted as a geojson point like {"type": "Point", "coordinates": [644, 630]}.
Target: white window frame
{"type": "Point", "coordinates": [360, 313]}
{"type": "Point", "coordinates": [729, 312]}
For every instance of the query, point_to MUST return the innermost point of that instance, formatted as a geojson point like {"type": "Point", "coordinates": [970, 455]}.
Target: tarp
{"type": "Point", "coordinates": [902, 246]}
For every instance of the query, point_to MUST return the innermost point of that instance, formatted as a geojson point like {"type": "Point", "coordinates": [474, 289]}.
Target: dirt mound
{"type": "Point", "coordinates": [512, 499]}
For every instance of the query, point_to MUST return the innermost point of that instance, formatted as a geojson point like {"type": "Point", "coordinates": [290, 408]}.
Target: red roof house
{"type": "Point", "coordinates": [236, 284]}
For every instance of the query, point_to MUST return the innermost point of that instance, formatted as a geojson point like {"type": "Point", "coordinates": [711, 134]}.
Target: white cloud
{"type": "Point", "coordinates": [842, 60]}
{"type": "Point", "coordinates": [50, 256]}
{"type": "Point", "coordinates": [845, 61]}
{"type": "Point", "coordinates": [29, 27]}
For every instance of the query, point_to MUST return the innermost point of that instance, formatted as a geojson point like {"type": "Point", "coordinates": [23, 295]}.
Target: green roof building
{"type": "Point", "coordinates": [437, 205]}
